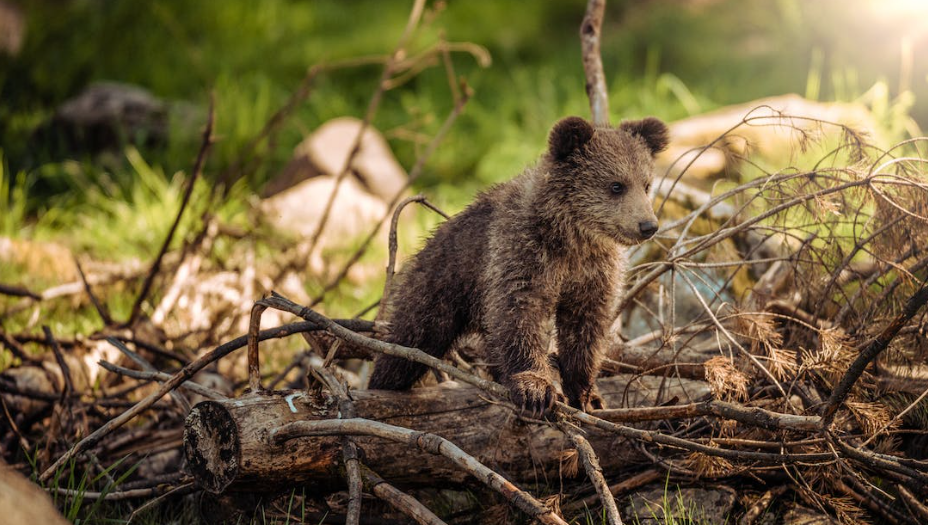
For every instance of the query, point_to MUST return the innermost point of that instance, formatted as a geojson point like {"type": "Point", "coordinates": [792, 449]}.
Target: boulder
{"type": "Point", "coordinates": [326, 150]}
{"type": "Point", "coordinates": [772, 134]}
{"type": "Point", "coordinates": [299, 209]}
{"type": "Point", "coordinates": [106, 116]}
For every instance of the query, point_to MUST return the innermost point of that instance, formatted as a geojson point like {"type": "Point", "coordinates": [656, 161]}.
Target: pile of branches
{"type": "Point", "coordinates": [773, 336]}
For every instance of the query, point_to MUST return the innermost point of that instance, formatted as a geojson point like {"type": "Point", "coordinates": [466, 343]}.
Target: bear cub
{"type": "Point", "coordinates": [544, 250]}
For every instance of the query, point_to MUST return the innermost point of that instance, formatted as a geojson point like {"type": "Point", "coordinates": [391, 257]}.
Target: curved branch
{"type": "Point", "coordinates": [429, 443]}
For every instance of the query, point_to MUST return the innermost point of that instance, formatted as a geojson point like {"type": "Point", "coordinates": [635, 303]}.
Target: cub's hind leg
{"type": "Point", "coordinates": [426, 323]}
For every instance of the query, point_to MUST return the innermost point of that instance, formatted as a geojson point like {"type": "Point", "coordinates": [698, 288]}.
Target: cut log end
{"type": "Point", "coordinates": [212, 447]}
{"type": "Point", "coordinates": [228, 448]}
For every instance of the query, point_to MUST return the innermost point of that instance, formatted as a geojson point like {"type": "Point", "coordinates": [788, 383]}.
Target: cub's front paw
{"type": "Point", "coordinates": [533, 392]}
{"type": "Point", "coordinates": [587, 401]}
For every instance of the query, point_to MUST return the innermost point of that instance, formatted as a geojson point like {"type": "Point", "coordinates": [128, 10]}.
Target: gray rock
{"type": "Point", "coordinates": [806, 516]}
{"type": "Point", "coordinates": [106, 116]}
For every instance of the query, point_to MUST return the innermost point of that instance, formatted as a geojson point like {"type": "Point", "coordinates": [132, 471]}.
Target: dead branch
{"type": "Point", "coordinates": [147, 367]}
{"type": "Point", "coordinates": [869, 353]}
{"type": "Point", "coordinates": [393, 241]}
{"type": "Point", "coordinates": [590, 33]}
{"type": "Point", "coordinates": [398, 53]}
{"type": "Point", "coordinates": [188, 192]}
{"type": "Point", "coordinates": [349, 449]}
{"type": "Point", "coordinates": [413, 175]}
{"type": "Point", "coordinates": [119, 495]}
{"type": "Point", "coordinates": [752, 416]}
{"type": "Point", "coordinates": [498, 390]}
{"type": "Point", "coordinates": [913, 503]}
{"type": "Point", "coordinates": [398, 499]}
{"type": "Point", "coordinates": [430, 443]}
{"type": "Point", "coordinates": [98, 306]}
{"type": "Point", "coordinates": [181, 376]}
{"type": "Point", "coordinates": [18, 291]}
{"type": "Point", "coordinates": [191, 386]}
{"type": "Point", "coordinates": [68, 387]}
{"type": "Point", "coordinates": [593, 470]}
{"type": "Point", "coordinates": [236, 429]}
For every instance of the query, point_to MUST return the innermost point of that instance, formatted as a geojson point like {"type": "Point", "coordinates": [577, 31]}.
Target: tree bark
{"type": "Point", "coordinates": [227, 442]}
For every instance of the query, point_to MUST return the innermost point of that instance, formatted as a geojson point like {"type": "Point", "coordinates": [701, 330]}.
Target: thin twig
{"type": "Point", "coordinates": [18, 291]}
{"type": "Point", "coordinates": [101, 309]}
{"type": "Point", "coordinates": [114, 496]}
{"type": "Point", "coordinates": [191, 386]}
{"type": "Point", "coordinates": [147, 367]}
{"type": "Point", "coordinates": [593, 471]}
{"type": "Point", "coordinates": [188, 192]}
{"type": "Point", "coordinates": [393, 241]}
{"type": "Point", "coordinates": [180, 490]}
{"type": "Point", "coordinates": [229, 176]}
{"type": "Point", "coordinates": [413, 175]}
{"type": "Point", "coordinates": [398, 53]}
{"type": "Point", "coordinates": [176, 380]}
{"type": "Point", "coordinates": [68, 387]}
{"type": "Point", "coordinates": [869, 353]}
{"type": "Point", "coordinates": [753, 416]}
{"type": "Point", "coordinates": [401, 501]}
{"type": "Point", "coordinates": [14, 346]}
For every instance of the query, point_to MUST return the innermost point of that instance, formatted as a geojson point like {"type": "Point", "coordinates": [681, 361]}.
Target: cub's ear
{"type": "Point", "coordinates": [568, 135]}
{"type": "Point", "coordinates": [653, 131]}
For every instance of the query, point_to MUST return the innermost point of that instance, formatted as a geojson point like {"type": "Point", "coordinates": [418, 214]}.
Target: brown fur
{"type": "Point", "coordinates": [546, 248]}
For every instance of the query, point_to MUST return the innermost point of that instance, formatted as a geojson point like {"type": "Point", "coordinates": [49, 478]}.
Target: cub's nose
{"type": "Point", "coordinates": [647, 229]}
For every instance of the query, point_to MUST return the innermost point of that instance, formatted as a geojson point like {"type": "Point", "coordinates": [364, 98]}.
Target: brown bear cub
{"type": "Point", "coordinates": [543, 250]}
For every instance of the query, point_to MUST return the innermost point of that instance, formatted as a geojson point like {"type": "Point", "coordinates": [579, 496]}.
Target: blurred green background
{"type": "Point", "coordinates": [670, 58]}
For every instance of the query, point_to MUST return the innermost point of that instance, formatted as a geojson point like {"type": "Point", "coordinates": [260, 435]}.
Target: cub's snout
{"type": "Point", "coordinates": [647, 229]}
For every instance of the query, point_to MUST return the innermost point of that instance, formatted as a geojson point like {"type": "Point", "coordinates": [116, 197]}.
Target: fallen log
{"type": "Point", "coordinates": [228, 446]}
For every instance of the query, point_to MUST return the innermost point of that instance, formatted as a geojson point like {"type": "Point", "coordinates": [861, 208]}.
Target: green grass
{"type": "Point", "coordinates": [74, 503]}
{"type": "Point", "coordinates": [253, 58]}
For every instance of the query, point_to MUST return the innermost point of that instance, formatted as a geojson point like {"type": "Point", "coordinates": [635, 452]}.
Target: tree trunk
{"type": "Point", "coordinates": [227, 447]}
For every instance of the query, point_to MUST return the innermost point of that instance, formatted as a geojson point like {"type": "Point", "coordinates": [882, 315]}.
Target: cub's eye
{"type": "Point", "coordinates": [618, 188]}
{"type": "Point", "coordinates": [647, 188]}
